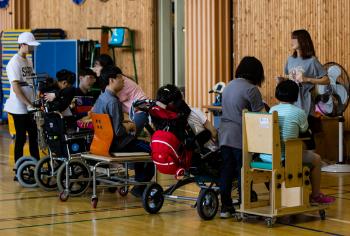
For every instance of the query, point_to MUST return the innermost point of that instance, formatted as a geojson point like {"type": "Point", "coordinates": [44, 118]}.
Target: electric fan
{"type": "Point", "coordinates": [332, 101]}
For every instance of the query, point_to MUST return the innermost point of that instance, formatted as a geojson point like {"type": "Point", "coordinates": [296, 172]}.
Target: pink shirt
{"type": "Point", "coordinates": [130, 92]}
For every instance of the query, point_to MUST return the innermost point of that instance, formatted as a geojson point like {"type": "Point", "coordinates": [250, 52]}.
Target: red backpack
{"type": "Point", "coordinates": [168, 154]}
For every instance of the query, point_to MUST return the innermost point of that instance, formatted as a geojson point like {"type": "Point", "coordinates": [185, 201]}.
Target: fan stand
{"type": "Point", "coordinates": [340, 166]}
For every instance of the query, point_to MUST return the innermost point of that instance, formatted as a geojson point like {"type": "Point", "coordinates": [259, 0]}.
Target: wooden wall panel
{"type": "Point", "coordinates": [15, 16]}
{"type": "Point", "coordinates": [262, 28]}
{"type": "Point", "coordinates": [139, 15]}
{"type": "Point", "coordinates": [207, 48]}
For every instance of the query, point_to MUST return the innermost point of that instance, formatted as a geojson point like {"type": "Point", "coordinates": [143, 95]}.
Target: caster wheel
{"type": "Point", "coordinates": [237, 217]}
{"type": "Point", "coordinates": [94, 202]}
{"type": "Point", "coordinates": [270, 222]}
{"type": "Point", "coordinates": [322, 214]}
{"type": "Point", "coordinates": [207, 204]}
{"type": "Point", "coordinates": [64, 196]}
{"type": "Point", "coordinates": [123, 191]}
{"type": "Point", "coordinates": [152, 198]}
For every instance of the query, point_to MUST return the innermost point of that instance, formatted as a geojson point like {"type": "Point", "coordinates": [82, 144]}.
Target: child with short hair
{"type": "Point", "coordinates": [293, 121]}
{"type": "Point", "coordinates": [62, 95]}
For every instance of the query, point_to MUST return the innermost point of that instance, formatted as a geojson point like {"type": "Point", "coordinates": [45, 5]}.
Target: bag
{"type": "Point", "coordinates": [168, 153]}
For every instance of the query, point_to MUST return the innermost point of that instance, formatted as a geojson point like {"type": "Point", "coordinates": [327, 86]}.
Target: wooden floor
{"type": "Point", "coordinates": [36, 212]}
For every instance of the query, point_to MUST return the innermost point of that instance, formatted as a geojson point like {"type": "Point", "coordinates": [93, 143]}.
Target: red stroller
{"type": "Point", "coordinates": [176, 151]}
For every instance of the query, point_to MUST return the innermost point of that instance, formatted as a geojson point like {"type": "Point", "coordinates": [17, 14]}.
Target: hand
{"type": "Point", "coordinates": [49, 96]}
{"type": "Point", "coordinates": [130, 127]}
{"type": "Point", "coordinates": [299, 77]}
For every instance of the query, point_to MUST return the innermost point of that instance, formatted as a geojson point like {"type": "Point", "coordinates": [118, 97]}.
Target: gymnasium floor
{"type": "Point", "coordinates": [36, 212]}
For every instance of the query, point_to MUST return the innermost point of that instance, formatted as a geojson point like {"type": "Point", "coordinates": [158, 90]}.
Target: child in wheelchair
{"type": "Point", "coordinates": [183, 142]}
{"type": "Point", "coordinates": [293, 122]}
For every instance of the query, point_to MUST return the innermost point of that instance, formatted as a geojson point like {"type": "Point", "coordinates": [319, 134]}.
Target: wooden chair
{"type": "Point", "coordinates": [290, 185]}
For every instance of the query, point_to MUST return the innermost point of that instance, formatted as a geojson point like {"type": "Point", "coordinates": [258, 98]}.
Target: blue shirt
{"type": "Point", "coordinates": [292, 120]}
{"type": "Point", "coordinates": [108, 103]}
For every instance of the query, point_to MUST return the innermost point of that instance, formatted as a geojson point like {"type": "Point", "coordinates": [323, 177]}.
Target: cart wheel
{"type": "Point", "coordinates": [152, 198]}
{"type": "Point", "coordinates": [237, 217]}
{"type": "Point", "coordinates": [25, 174]}
{"type": "Point", "coordinates": [79, 177]}
{"type": "Point", "coordinates": [270, 222]}
{"type": "Point", "coordinates": [45, 173]}
{"type": "Point", "coordinates": [207, 204]}
{"type": "Point", "coordinates": [123, 191]}
{"type": "Point", "coordinates": [64, 196]}
{"type": "Point", "coordinates": [322, 214]}
{"type": "Point", "coordinates": [112, 189]}
{"type": "Point", "coordinates": [94, 202]}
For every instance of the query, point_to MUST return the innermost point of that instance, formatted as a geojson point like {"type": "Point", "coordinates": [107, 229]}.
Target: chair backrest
{"type": "Point", "coordinates": [259, 131]}
{"type": "Point", "coordinates": [103, 134]}
{"type": "Point", "coordinates": [117, 37]}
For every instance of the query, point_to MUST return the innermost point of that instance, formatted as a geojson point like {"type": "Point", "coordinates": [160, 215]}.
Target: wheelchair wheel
{"type": "Point", "coordinates": [207, 204]}
{"type": "Point", "coordinates": [77, 170]}
{"type": "Point", "coordinates": [25, 174]}
{"type": "Point", "coordinates": [45, 173]}
{"type": "Point", "coordinates": [23, 159]}
{"type": "Point", "coordinates": [152, 198]}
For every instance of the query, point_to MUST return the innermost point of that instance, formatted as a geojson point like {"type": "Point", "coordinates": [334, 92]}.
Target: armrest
{"type": "Point", "coordinates": [296, 139]}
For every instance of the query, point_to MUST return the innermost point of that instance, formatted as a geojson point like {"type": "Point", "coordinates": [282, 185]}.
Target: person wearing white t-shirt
{"type": "Point", "coordinates": [19, 70]}
{"type": "Point", "coordinates": [199, 122]}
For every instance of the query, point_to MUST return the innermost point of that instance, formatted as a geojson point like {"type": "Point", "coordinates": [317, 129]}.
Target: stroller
{"type": "Point", "coordinates": [177, 151]}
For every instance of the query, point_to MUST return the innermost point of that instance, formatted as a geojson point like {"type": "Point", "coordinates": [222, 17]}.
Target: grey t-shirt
{"type": "Point", "coordinates": [310, 67]}
{"type": "Point", "coordinates": [238, 95]}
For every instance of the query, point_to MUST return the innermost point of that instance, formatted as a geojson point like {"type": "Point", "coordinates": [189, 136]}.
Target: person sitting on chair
{"type": "Point", "coordinates": [293, 121]}
{"type": "Point", "coordinates": [124, 132]}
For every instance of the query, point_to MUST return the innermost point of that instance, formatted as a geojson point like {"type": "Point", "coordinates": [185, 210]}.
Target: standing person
{"type": "Point", "coordinates": [241, 93]}
{"type": "Point", "coordinates": [19, 70]}
{"type": "Point", "coordinates": [304, 68]}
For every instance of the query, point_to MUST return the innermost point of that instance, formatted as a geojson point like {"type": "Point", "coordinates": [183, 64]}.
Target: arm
{"type": "Point", "coordinates": [19, 93]}
{"type": "Point", "coordinates": [321, 81]}
{"type": "Point", "coordinates": [121, 129]}
{"type": "Point", "coordinates": [211, 128]}
{"type": "Point", "coordinates": [63, 98]}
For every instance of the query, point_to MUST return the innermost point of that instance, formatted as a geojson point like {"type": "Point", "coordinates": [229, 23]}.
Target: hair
{"type": "Point", "coordinates": [168, 93]}
{"type": "Point", "coordinates": [105, 60]}
{"type": "Point", "coordinates": [171, 96]}
{"type": "Point", "coordinates": [251, 69]}
{"type": "Point", "coordinates": [305, 43]}
{"type": "Point", "coordinates": [109, 72]}
{"type": "Point", "coordinates": [287, 91]}
{"type": "Point", "coordinates": [66, 75]}
{"type": "Point", "coordinates": [87, 71]}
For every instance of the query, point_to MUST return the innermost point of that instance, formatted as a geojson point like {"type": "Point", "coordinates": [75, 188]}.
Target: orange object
{"type": "Point", "coordinates": [103, 134]}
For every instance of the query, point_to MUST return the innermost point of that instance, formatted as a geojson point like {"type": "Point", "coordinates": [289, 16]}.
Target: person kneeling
{"type": "Point", "coordinates": [124, 132]}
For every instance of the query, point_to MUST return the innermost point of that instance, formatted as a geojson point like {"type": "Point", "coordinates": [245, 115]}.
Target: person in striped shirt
{"type": "Point", "coordinates": [293, 121]}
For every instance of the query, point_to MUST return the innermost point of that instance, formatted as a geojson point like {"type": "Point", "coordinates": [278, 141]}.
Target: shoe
{"type": "Point", "coordinates": [137, 191]}
{"type": "Point", "coordinates": [321, 199]}
{"type": "Point", "coordinates": [227, 212]}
